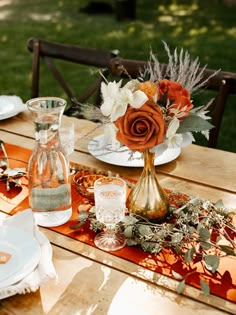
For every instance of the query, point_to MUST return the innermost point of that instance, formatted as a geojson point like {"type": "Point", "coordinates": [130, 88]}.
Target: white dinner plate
{"type": "Point", "coordinates": [121, 156]}
{"type": "Point", "coordinates": [10, 105]}
{"type": "Point", "coordinates": [25, 254]}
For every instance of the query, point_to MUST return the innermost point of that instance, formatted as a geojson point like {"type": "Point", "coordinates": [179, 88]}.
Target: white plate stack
{"type": "Point", "coordinates": [25, 255]}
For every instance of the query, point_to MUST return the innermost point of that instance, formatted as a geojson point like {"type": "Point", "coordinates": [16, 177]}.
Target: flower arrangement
{"type": "Point", "coordinates": [155, 111]}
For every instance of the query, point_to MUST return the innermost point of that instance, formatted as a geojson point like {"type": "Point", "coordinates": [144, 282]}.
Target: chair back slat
{"type": "Point", "coordinates": [47, 51]}
{"type": "Point", "coordinates": [218, 108]}
{"type": "Point", "coordinates": [73, 53]}
{"type": "Point", "coordinates": [58, 76]}
{"type": "Point", "coordinates": [35, 69]}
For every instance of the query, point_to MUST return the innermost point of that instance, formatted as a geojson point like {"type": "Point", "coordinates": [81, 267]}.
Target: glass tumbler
{"type": "Point", "coordinates": [110, 205]}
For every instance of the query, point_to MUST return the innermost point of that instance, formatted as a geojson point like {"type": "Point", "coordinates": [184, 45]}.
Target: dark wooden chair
{"type": "Point", "coordinates": [223, 83]}
{"type": "Point", "coordinates": [49, 52]}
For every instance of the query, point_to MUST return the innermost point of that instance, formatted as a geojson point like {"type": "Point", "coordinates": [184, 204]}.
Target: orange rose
{"type": "Point", "coordinates": [141, 128]}
{"type": "Point", "coordinates": [150, 89]}
{"type": "Point", "coordinates": [177, 95]}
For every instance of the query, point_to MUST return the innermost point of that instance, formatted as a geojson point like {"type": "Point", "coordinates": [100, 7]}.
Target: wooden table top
{"type": "Point", "coordinates": [94, 282]}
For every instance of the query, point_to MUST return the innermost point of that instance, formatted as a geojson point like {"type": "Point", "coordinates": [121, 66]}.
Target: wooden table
{"type": "Point", "coordinates": [94, 282]}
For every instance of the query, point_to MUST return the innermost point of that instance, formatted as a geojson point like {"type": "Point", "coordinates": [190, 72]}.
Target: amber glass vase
{"type": "Point", "coordinates": [147, 198]}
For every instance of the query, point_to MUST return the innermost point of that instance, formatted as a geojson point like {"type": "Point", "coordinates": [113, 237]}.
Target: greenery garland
{"type": "Point", "coordinates": [196, 230]}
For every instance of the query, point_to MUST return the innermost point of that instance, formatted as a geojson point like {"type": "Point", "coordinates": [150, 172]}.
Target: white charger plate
{"type": "Point", "coordinates": [10, 105]}
{"type": "Point", "coordinates": [25, 254]}
{"type": "Point", "coordinates": [121, 157]}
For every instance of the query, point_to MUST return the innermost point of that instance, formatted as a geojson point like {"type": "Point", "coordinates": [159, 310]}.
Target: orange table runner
{"type": "Point", "coordinates": [222, 283]}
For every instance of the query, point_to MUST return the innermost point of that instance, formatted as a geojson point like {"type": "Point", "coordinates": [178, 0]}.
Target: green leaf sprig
{"type": "Point", "coordinates": [196, 230]}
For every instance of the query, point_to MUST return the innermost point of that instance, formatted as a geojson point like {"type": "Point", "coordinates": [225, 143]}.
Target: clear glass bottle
{"type": "Point", "coordinates": [49, 186]}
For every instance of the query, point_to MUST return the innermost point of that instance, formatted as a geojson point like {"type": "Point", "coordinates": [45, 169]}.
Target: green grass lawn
{"type": "Point", "coordinates": [206, 28]}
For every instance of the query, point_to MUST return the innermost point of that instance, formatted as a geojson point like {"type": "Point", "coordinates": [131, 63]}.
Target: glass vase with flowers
{"type": "Point", "coordinates": [152, 115]}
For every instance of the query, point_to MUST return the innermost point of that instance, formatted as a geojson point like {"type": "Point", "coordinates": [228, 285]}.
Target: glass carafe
{"type": "Point", "coordinates": [49, 186]}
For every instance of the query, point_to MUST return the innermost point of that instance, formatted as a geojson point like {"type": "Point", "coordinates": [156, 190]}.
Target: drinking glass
{"type": "Point", "coordinates": [110, 199]}
{"type": "Point", "coordinates": [67, 138]}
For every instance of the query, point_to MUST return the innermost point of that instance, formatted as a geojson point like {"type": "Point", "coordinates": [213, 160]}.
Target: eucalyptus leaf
{"type": "Point", "coordinates": [195, 202]}
{"type": "Point", "coordinates": [205, 221]}
{"type": "Point", "coordinates": [129, 219]}
{"type": "Point", "coordinates": [176, 275]}
{"type": "Point", "coordinates": [189, 255]}
{"type": "Point", "coordinates": [204, 233]}
{"type": "Point", "coordinates": [131, 242]}
{"type": "Point", "coordinates": [212, 262]}
{"type": "Point", "coordinates": [176, 237]}
{"type": "Point", "coordinates": [83, 216]}
{"type": "Point", "coordinates": [180, 287]}
{"type": "Point", "coordinates": [96, 225]}
{"type": "Point", "coordinates": [76, 226]}
{"type": "Point", "coordinates": [228, 250]}
{"type": "Point", "coordinates": [199, 227]}
{"type": "Point", "coordinates": [205, 245]}
{"type": "Point", "coordinates": [191, 229]}
{"type": "Point", "coordinates": [151, 247]}
{"type": "Point", "coordinates": [144, 230]}
{"type": "Point", "coordinates": [194, 123]}
{"type": "Point", "coordinates": [160, 235]}
{"type": "Point", "coordinates": [128, 232]}
{"type": "Point", "coordinates": [219, 204]}
{"type": "Point", "coordinates": [178, 250]}
{"type": "Point", "coordinates": [205, 287]}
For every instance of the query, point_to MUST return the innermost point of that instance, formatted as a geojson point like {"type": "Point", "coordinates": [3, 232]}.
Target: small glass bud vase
{"type": "Point", "coordinates": [49, 187]}
{"type": "Point", "coordinates": [147, 198]}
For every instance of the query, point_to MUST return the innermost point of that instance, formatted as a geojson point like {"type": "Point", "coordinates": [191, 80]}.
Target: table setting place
{"type": "Point", "coordinates": [145, 124]}
{"type": "Point", "coordinates": [25, 255]}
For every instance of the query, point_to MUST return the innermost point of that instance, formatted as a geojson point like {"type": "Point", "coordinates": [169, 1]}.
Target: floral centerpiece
{"type": "Point", "coordinates": [151, 114]}
{"type": "Point", "coordinates": [155, 111]}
